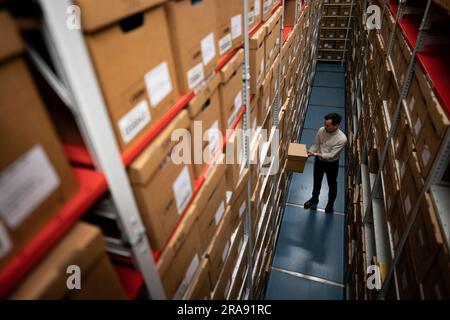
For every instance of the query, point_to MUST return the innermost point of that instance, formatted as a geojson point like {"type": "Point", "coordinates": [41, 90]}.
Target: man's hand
{"type": "Point", "coordinates": [311, 154]}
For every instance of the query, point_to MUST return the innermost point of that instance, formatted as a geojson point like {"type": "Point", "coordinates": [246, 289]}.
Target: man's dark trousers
{"type": "Point", "coordinates": [331, 169]}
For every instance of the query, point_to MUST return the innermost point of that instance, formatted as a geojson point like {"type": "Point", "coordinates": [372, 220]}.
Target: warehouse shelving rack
{"type": "Point", "coordinates": [347, 28]}
{"type": "Point", "coordinates": [77, 86]}
{"type": "Point", "coordinates": [384, 248]}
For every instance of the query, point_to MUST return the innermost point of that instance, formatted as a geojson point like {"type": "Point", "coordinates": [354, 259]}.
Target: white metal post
{"type": "Point", "coordinates": [80, 78]}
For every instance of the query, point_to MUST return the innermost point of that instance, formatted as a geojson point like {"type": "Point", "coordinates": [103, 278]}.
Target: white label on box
{"type": "Point", "coordinates": [267, 103]}
{"type": "Point", "coordinates": [242, 208]}
{"type": "Point", "coordinates": [404, 281]}
{"type": "Point", "coordinates": [251, 17]}
{"type": "Point", "coordinates": [158, 83]}
{"type": "Point", "coordinates": [236, 26]}
{"type": "Point", "coordinates": [225, 44]}
{"type": "Point", "coordinates": [208, 48]}
{"type": "Point", "coordinates": [214, 136]}
{"type": "Point", "coordinates": [412, 103]}
{"type": "Point", "coordinates": [193, 266]}
{"type": "Point", "coordinates": [238, 101]}
{"type": "Point", "coordinates": [418, 126]}
{"type": "Point", "coordinates": [232, 118]}
{"type": "Point", "coordinates": [438, 292]}
{"type": "Point", "coordinates": [195, 75]}
{"type": "Point", "coordinates": [5, 242]}
{"type": "Point", "coordinates": [261, 72]}
{"type": "Point", "coordinates": [219, 213]}
{"type": "Point", "coordinates": [134, 121]}
{"type": "Point", "coordinates": [395, 236]}
{"type": "Point", "coordinates": [266, 5]}
{"type": "Point", "coordinates": [225, 251]}
{"type": "Point", "coordinates": [407, 204]}
{"type": "Point", "coordinates": [182, 189]}
{"type": "Point", "coordinates": [24, 184]}
{"type": "Point", "coordinates": [227, 288]}
{"type": "Point", "coordinates": [426, 155]}
{"type": "Point", "coordinates": [228, 195]}
{"type": "Point", "coordinates": [257, 7]}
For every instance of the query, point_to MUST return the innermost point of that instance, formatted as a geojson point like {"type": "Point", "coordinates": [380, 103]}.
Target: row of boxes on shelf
{"type": "Point", "coordinates": [404, 173]}
{"type": "Point", "coordinates": [143, 83]}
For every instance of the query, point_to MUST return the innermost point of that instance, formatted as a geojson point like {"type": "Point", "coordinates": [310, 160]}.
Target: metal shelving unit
{"type": "Point", "coordinates": [438, 189]}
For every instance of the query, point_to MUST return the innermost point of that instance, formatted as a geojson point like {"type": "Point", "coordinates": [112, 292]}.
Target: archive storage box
{"type": "Point", "coordinates": [257, 60]}
{"type": "Point", "coordinates": [162, 187]}
{"type": "Point", "coordinates": [297, 157]}
{"type": "Point", "coordinates": [132, 56]}
{"type": "Point", "coordinates": [35, 178]}
{"type": "Point", "coordinates": [206, 125]}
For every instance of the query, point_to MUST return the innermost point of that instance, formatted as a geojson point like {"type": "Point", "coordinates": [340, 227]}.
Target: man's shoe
{"type": "Point", "coordinates": [329, 208]}
{"type": "Point", "coordinates": [311, 202]}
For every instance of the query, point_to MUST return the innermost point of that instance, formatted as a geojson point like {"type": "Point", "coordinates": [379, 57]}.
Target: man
{"type": "Point", "coordinates": [328, 143]}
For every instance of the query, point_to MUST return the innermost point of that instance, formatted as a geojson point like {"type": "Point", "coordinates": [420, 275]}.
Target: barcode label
{"type": "Point", "coordinates": [195, 76]}
{"type": "Point", "coordinates": [193, 266]}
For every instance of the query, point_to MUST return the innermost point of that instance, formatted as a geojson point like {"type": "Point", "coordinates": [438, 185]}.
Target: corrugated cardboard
{"type": "Point", "coordinates": [130, 67]}
{"type": "Point", "coordinates": [152, 176]}
{"type": "Point", "coordinates": [234, 156]}
{"type": "Point", "coordinates": [200, 288]}
{"type": "Point", "coordinates": [211, 204]}
{"type": "Point", "coordinates": [230, 90]}
{"type": "Point", "coordinates": [239, 279]}
{"type": "Point", "coordinates": [26, 133]}
{"type": "Point", "coordinates": [181, 258]}
{"type": "Point", "coordinates": [265, 98]}
{"type": "Point", "coordinates": [230, 27]}
{"type": "Point", "coordinates": [193, 35]}
{"type": "Point", "coordinates": [272, 42]}
{"type": "Point", "coordinates": [218, 248]}
{"type": "Point", "coordinates": [257, 62]}
{"type": "Point", "coordinates": [205, 108]}
{"type": "Point", "coordinates": [297, 157]}
{"type": "Point", "coordinates": [96, 14]}
{"type": "Point", "coordinates": [436, 285]}
{"type": "Point", "coordinates": [84, 247]}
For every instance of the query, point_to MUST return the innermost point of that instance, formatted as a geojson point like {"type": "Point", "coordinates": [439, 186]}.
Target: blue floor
{"type": "Point", "coordinates": [309, 256]}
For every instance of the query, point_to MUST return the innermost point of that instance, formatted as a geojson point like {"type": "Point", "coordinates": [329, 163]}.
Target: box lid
{"type": "Point", "coordinates": [96, 14]}
{"type": "Point", "coordinates": [273, 20]}
{"type": "Point", "coordinates": [297, 152]}
{"type": "Point", "coordinates": [178, 238]}
{"type": "Point", "coordinates": [149, 160]}
{"type": "Point", "coordinates": [232, 66]}
{"type": "Point", "coordinates": [81, 246]}
{"type": "Point", "coordinates": [11, 44]}
{"type": "Point", "coordinates": [257, 38]}
{"type": "Point", "coordinates": [240, 187]}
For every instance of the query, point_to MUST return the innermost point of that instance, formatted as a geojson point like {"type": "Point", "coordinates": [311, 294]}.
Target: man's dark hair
{"type": "Point", "coordinates": [334, 117]}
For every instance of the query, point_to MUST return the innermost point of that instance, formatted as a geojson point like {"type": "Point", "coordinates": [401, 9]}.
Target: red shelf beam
{"type": "Point", "coordinates": [91, 186]}
{"type": "Point", "coordinates": [132, 281]}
